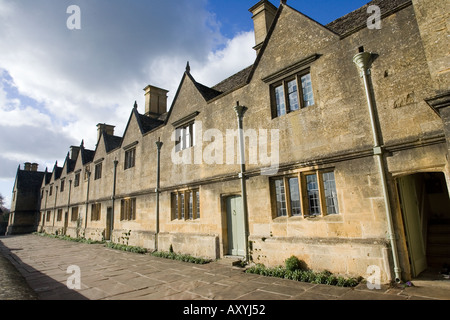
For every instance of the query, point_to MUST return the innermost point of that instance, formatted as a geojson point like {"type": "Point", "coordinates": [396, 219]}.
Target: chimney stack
{"type": "Point", "coordinates": [34, 167]}
{"type": "Point", "coordinates": [263, 15]}
{"type": "Point", "coordinates": [155, 101]}
{"type": "Point", "coordinates": [74, 151]}
{"type": "Point", "coordinates": [109, 130]}
{"type": "Point", "coordinates": [27, 166]}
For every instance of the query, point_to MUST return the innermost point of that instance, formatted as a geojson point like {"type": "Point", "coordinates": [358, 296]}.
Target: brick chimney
{"type": "Point", "coordinates": [155, 101]}
{"type": "Point", "coordinates": [263, 15]}
{"type": "Point", "coordinates": [34, 167]}
{"type": "Point", "coordinates": [109, 130]}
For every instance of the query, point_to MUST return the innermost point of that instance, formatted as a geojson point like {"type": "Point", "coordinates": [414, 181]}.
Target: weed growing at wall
{"type": "Point", "coordinates": [295, 270]}
{"type": "Point", "coordinates": [180, 257]}
{"type": "Point", "coordinates": [124, 247]}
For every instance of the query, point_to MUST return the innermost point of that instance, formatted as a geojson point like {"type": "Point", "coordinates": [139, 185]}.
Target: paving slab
{"type": "Point", "coordinates": [40, 264]}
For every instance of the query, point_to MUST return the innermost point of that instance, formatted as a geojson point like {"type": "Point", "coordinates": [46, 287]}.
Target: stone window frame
{"type": "Point", "coordinates": [300, 96]}
{"type": "Point", "coordinates": [96, 210]}
{"type": "Point", "coordinates": [303, 192]}
{"type": "Point", "coordinates": [98, 170]}
{"type": "Point", "coordinates": [130, 156]}
{"type": "Point", "coordinates": [62, 186]}
{"type": "Point", "coordinates": [76, 183]}
{"type": "Point", "coordinates": [181, 208]}
{"type": "Point", "coordinates": [74, 214]}
{"type": "Point", "coordinates": [183, 126]}
{"type": "Point", "coordinates": [128, 209]}
{"type": "Point", "coordinates": [281, 78]}
{"type": "Point", "coordinates": [185, 136]}
{"type": "Point", "coordinates": [59, 215]}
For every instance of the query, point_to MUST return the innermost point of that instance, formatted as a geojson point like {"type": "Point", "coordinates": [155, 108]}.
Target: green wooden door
{"type": "Point", "coordinates": [236, 232]}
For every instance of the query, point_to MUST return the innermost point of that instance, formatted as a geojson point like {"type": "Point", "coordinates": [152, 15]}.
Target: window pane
{"type": "Point", "coordinates": [174, 206]}
{"type": "Point", "coordinates": [295, 197]}
{"type": "Point", "coordinates": [330, 193]}
{"type": "Point", "coordinates": [308, 96]}
{"type": "Point", "coordinates": [197, 196]}
{"type": "Point", "coordinates": [281, 198]}
{"type": "Point", "coordinates": [187, 132]}
{"type": "Point", "coordinates": [182, 205]}
{"type": "Point", "coordinates": [313, 194]}
{"type": "Point", "coordinates": [293, 95]}
{"type": "Point", "coordinates": [191, 206]}
{"type": "Point", "coordinates": [193, 134]}
{"type": "Point", "coordinates": [279, 97]}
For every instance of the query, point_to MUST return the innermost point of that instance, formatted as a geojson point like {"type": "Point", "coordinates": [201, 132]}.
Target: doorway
{"type": "Point", "coordinates": [425, 206]}
{"type": "Point", "coordinates": [235, 226]}
{"type": "Point", "coordinates": [108, 228]}
{"type": "Point", "coordinates": [66, 222]}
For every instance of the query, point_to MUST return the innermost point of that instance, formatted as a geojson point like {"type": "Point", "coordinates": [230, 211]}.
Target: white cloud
{"type": "Point", "coordinates": [60, 83]}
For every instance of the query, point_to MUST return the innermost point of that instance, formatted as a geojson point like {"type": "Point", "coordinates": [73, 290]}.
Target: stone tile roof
{"type": "Point", "coordinates": [235, 81]}
{"type": "Point", "coordinates": [206, 92]}
{"type": "Point", "coordinates": [112, 142]}
{"type": "Point", "coordinates": [358, 18]}
{"type": "Point", "coordinates": [147, 123]}
{"type": "Point", "coordinates": [29, 180]}
{"type": "Point", "coordinates": [70, 165]}
{"type": "Point", "coordinates": [87, 156]}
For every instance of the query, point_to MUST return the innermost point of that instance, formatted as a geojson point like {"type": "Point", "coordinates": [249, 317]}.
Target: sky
{"type": "Point", "coordinates": [58, 83]}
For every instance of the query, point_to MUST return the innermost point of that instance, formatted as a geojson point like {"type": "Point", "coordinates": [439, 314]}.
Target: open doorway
{"type": "Point", "coordinates": [425, 205]}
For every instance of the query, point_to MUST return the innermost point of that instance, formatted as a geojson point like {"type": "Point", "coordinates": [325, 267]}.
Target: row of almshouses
{"type": "Point", "coordinates": [313, 182]}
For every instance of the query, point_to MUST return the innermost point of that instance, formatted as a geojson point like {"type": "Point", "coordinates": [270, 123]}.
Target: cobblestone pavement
{"type": "Point", "coordinates": [116, 275]}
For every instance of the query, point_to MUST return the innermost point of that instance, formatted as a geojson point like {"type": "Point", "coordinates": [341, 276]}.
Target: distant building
{"type": "Point", "coordinates": [24, 216]}
{"type": "Point", "coordinates": [354, 123]}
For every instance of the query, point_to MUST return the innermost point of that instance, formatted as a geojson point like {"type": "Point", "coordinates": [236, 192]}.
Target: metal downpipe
{"type": "Point", "coordinates": [364, 61]}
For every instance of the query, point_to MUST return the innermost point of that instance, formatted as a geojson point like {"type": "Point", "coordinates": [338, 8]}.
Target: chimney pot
{"type": "Point", "coordinates": [27, 166]}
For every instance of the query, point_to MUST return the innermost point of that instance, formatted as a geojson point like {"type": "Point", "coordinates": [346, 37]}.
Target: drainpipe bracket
{"type": "Point", "coordinates": [378, 151]}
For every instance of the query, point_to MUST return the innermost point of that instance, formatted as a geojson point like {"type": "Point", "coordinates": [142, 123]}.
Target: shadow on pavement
{"type": "Point", "coordinates": [19, 281]}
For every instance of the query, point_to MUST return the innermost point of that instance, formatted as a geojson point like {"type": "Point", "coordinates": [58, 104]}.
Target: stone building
{"type": "Point", "coordinates": [25, 204]}
{"type": "Point", "coordinates": [347, 134]}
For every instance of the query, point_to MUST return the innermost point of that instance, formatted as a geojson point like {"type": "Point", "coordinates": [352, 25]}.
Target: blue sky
{"type": "Point", "coordinates": [56, 84]}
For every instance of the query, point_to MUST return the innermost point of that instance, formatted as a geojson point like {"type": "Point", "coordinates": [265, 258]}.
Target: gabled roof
{"type": "Point", "coordinates": [29, 180]}
{"type": "Point", "coordinates": [235, 81]}
{"type": "Point", "coordinates": [111, 142]}
{"type": "Point", "coordinates": [86, 155]}
{"type": "Point", "coordinates": [57, 171]}
{"type": "Point", "coordinates": [147, 124]}
{"type": "Point", "coordinates": [69, 164]}
{"type": "Point", "coordinates": [206, 92]}
{"type": "Point", "coordinates": [353, 21]}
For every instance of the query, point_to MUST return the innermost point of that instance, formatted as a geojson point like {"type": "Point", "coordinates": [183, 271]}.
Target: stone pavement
{"type": "Point", "coordinates": [116, 275]}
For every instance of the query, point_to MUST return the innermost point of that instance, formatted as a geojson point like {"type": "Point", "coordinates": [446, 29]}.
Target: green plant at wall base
{"type": "Point", "coordinates": [324, 277]}
{"type": "Point", "coordinates": [293, 263]}
{"type": "Point", "coordinates": [180, 257]}
{"type": "Point", "coordinates": [127, 248]}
